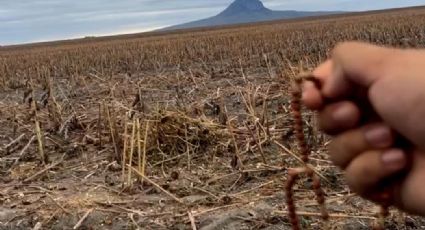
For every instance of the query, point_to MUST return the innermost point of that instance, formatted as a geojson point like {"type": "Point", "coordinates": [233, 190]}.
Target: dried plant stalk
{"type": "Point", "coordinates": [113, 133]}
{"type": "Point", "coordinates": [187, 148]}
{"type": "Point", "coordinates": [124, 151]}
{"type": "Point", "coordinates": [40, 141]}
{"type": "Point", "coordinates": [130, 160]}
{"type": "Point", "coordinates": [139, 146]}
{"type": "Point", "coordinates": [37, 127]}
{"type": "Point", "coordinates": [99, 126]}
{"type": "Point", "coordinates": [145, 141]}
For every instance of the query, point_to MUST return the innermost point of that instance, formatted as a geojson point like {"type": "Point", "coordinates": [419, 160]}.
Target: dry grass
{"type": "Point", "coordinates": [202, 118]}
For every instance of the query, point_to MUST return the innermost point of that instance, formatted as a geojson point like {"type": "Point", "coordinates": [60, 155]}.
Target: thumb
{"type": "Point", "coordinates": [356, 64]}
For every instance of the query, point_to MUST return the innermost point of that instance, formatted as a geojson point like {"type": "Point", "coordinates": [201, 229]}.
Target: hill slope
{"type": "Point", "coordinates": [247, 11]}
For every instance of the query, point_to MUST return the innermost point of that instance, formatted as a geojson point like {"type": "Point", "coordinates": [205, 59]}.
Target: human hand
{"type": "Point", "coordinates": [377, 171]}
{"type": "Point", "coordinates": [370, 96]}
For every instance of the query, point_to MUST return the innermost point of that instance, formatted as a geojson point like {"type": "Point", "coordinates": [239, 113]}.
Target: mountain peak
{"type": "Point", "coordinates": [245, 11]}
{"type": "Point", "coordinates": [249, 4]}
{"type": "Point", "coordinates": [244, 6]}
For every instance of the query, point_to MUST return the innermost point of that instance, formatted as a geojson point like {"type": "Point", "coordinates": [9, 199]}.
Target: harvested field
{"type": "Point", "coordinates": [188, 130]}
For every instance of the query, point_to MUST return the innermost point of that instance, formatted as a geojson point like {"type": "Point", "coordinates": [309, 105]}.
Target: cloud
{"type": "Point", "coordinates": [28, 21]}
{"type": "Point", "coordinates": [34, 20]}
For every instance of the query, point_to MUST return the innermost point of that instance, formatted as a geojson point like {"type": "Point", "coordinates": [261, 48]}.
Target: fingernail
{"type": "Point", "coordinates": [379, 136]}
{"type": "Point", "coordinates": [394, 159]}
{"type": "Point", "coordinates": [342, 113]}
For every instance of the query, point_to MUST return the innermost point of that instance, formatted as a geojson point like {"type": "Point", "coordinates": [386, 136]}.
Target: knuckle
{"type": "Point", "coordinates": [336, 151]}
{"type": "Point", "coordinates": [341, 150]}
{"type": "Point", "coordinates": [342, 47]}
{"type": "Point", "coordinates": [333, 150]}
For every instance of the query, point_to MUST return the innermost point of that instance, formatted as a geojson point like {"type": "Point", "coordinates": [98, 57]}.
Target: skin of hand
{"type": "Point", "coordinates": [371, 98]}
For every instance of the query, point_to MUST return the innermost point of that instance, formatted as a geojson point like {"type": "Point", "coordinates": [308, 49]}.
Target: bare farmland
{"type": "Point", "coordinates": [173, 131]}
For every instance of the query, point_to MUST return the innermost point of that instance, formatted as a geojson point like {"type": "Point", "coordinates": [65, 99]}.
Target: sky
{"type": "Point", "coordinates": [26, 21]}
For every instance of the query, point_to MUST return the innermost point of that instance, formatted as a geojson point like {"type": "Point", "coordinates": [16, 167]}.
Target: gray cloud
{"type": "Point", "coordinates": [41, 20]}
